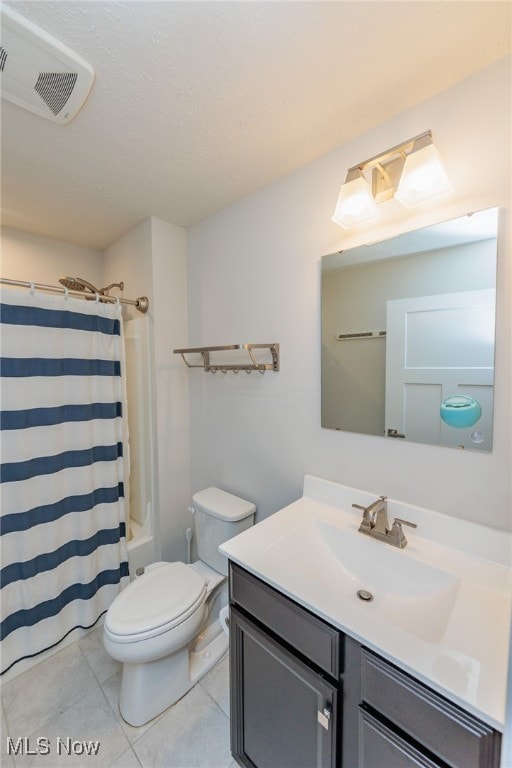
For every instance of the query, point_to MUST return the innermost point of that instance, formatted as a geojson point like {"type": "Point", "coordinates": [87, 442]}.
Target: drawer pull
{"type": "Point", "coordinates": [324, 718]}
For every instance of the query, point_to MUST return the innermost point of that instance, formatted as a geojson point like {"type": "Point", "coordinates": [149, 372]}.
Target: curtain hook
{"type": "Point", "coordinates": [97, 298]}
{"type": "Point", "coordinates": [32, 287]}
{"type": "Point", "coordinates": [66, 292]}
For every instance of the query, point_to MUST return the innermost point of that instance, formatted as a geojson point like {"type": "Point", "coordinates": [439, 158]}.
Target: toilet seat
{"type": "Point", "coordinates": [162, 598]}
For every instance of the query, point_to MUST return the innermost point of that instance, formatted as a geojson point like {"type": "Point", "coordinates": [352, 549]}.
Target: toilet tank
{"type": "Point", "coordinates": [219, 517]}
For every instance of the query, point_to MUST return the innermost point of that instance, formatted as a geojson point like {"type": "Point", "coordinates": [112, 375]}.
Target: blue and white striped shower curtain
{"type": "Point", "coordinates": [63, 542]}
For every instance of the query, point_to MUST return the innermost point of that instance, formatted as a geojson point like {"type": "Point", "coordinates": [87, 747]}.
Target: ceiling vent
{"type": "Point", "coordinates": [39, 73]}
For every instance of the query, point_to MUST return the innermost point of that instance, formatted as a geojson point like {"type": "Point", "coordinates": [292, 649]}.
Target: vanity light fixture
{"type": "Point", "coordinates": [356, 203]}
{"type": "Point", "coordinates": [412, 172]}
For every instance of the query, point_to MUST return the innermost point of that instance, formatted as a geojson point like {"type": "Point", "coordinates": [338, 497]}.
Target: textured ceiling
{"type": "Point", "coordinates": [197, 104]}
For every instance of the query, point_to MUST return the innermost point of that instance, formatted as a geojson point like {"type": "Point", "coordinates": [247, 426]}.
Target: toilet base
{"type": "Point", "coordinates": [210, 648]}
{"type": "Point", "coordinates": [148, 688]}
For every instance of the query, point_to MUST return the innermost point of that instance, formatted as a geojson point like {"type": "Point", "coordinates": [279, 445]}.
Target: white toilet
{"type": "Point", "coordinates": [164, 626]}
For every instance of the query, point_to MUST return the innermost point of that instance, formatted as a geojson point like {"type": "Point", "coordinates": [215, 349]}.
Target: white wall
{"type": "Point", "coordinates": [43, 260]}
{"type": "Point", "coordinates": [151, 259]}
{"type": "Point", "coordinates": [254, 276]}
{"type": "Point", "coordinates": [130, 259]}
{"type": "Point", "coordinates": [170, 312]}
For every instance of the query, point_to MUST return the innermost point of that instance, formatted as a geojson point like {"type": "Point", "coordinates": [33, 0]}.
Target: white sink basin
{"type": "Point", "coordinates": [441, 607]}
{"type": "Point", "coordinates": [411, 594]}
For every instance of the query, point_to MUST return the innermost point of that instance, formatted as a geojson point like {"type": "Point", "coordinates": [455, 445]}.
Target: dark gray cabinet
{"type": "Point", "coordinates": [284, 714]}
{"type": "Point", "coordinates": [285, 666]}
{"type": "Point", "coordinates": [310, 637]}
{"type": "Point", "coordinates": [445, 733]}
{"type": "Point", "coordinates": [305, 695]}
{"type": "Point", "coordinates": [383, 747]}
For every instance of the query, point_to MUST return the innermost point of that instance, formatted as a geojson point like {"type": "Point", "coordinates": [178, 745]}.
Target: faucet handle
{"type": "Point", "coordinates": [396, 533]}
{"type": "Point", "coordinates": [404, 522]}
{"type": "Point", "coordinates": [366, 523]}
{"type": "Point", "coordinates": [369, 507]}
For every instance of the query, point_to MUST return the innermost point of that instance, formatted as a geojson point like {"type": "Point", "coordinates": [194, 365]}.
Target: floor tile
{"type": "Point", "coordinates": [87, 733]}
{"type": "Point", "coordinates": [194, 733]}
{"type": "Point", "coordinates": [6, 760]}
{"type": "Point", "coordinates": [74, 696]}
{"type": "Point", "coordinates": [102, 665]}
{"type": "Point", "coordinates": [45, 691]}
{"type": "Point", "coordinates": [216, 683]}
{"type": "Point", "coordinates": [127, 760]}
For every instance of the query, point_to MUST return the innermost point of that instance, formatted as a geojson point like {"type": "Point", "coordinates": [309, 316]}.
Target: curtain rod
{"type": "Point", "coordinates": [142, 303]}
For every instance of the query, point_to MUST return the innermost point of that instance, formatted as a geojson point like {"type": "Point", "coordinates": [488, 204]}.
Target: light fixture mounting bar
{"type": "Point", "coordinates": [412, 172]}
{"type": "Point", "coordinates": [402, 150]}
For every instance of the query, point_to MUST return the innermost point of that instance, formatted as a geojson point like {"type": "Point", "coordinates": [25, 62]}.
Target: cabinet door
{"type": "Point", "coordinates": [283, 714]}
{"type": "Point", "coordinates": [380, 747]}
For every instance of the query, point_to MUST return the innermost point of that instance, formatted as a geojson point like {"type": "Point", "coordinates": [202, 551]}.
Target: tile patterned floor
{"type": "Point", "coordinates": [65, 704]}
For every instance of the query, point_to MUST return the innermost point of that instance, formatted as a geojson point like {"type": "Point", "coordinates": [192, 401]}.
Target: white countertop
{"type": "Point", "coordinates": [462, 653]}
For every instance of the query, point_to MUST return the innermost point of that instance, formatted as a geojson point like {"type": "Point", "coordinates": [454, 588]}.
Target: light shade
{"type": "Point", "coordinates": [355, 202]}
{"type": "Point", "coordinates": [423, 177]}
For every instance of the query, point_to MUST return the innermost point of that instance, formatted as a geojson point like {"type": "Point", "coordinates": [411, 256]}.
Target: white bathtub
{"type": "Point", "coordinates": [141, 544]}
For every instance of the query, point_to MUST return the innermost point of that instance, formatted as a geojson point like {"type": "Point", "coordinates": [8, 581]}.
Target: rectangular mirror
{"type": "Point", "coordinates": [408, 335]}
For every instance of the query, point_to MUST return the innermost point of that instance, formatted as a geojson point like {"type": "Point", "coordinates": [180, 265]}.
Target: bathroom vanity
{"type": "Point", "coordinates": [306, 695]}
{"type": "Point", "coordinates": [322, 678]}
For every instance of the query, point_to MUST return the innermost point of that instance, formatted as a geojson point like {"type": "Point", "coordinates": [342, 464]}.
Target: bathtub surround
{"type": "Point", "coordinates": [64, 553]}
{"type": "Point", "coordinates": [153, 257]}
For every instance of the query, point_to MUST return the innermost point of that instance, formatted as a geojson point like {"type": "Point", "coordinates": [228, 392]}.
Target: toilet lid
{"type": "Point", "coordinates": [163, 595]}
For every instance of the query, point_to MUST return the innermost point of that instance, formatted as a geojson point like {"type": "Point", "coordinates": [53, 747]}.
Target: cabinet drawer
{"type": "Point", "coordinates": [380, 746]}
{"type": "Point", "coordinates": [313, 638]}
{"type": "Point", "coordinates": [444, 729]}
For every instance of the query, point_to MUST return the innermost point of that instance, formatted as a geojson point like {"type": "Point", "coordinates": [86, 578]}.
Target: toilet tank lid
{"type": "Point", "coordinates": [223, 505]}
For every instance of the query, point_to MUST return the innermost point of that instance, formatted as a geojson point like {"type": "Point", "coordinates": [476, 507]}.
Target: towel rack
{"type": "Point", "coordinates": [252, 365]}
{"type": "Point", "coordinates": [361, 335]}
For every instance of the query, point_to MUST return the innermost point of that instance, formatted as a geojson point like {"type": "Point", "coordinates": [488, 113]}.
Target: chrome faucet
{"type": "Point", "coordinates": [375, 523]}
